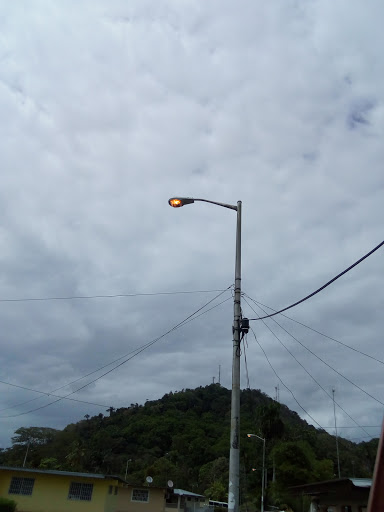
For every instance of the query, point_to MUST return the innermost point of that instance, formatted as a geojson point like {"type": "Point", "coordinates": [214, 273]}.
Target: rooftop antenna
{"type": "Point", "coordinates": [219, 372]}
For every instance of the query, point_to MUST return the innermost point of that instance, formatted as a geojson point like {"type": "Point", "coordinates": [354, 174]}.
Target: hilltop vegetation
{"type": "Point", "coordinates": [184, 437]}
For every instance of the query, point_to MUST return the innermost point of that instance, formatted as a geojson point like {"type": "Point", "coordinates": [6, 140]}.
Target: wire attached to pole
{"type": "Point", "coordinates": [324, 285]}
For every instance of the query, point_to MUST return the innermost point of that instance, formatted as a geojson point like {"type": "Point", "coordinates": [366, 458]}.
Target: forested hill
{"type": "Point", "coordinates": [184, 437]}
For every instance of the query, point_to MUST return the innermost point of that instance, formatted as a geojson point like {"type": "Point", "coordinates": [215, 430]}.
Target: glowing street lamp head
{"type": "Point", "coordinates": [177, 202]}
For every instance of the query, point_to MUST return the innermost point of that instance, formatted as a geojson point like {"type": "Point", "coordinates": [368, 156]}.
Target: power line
{"type": "Point", "coordinates": [283, 383]}
{"type": "Point", "coordinates": [311, 376]}
{"type": "Point", "coordinates": [318, 332]}
{"type": "Point", "coordinates": [324, 286]}
{"type": "Point", "coordinates": [137, 351]}
{"type": "Point", "coordinates": [108, 364]}
{"type": "Point", "coordinates": [114, 296]}
{"type": "Point", "coordinates": [324, 362]}
{"type": "Point", "coordinates": [365, 437]}
{"type": "Point", "coordinates": [353, 426]}
{"type": "Point", "coordinates": [46, 394]}
{"type": "Point", "coordinates": [246, 367]}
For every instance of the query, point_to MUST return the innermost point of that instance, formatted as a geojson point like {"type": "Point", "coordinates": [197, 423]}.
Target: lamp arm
{"type": "Point", "coordinates": [224, 205]}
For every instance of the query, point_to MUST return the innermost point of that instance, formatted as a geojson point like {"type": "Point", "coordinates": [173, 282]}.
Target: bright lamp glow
{"type": "Point", "coordinates": [176, 203]}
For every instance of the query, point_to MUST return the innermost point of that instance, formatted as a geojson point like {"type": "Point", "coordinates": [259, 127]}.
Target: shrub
{"type": "Point", "coordinates": [7, 505]}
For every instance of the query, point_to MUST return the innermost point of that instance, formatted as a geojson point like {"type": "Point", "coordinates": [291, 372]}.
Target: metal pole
{"type": "Point", "coordinates": [337, 441]}
{"type": "Point", "coordinates": [126, 468]}
{"type": "Point", "coordinates": [262, 479]}
{"type": "Point", "coordinates": [26, 453]}
{"type": "Point", "coordinates": [234, 453]}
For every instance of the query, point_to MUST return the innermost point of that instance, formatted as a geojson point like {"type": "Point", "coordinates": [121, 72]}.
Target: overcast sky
{"type": "Point", "coordinates": [107, 109]}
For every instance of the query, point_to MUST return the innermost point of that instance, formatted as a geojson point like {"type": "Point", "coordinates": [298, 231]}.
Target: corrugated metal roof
{"type": "Point", "coordinates": [63, 473]}
{"type": "Point", "coordinates": [357, 482]}
{"type": "Point", "coordinates": [361, 482]}
{"type": "Point", "coordinates": [182, 492]}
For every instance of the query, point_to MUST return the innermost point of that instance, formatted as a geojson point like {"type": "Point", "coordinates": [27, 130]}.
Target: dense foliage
{"type": "Point", "coordinates": [184, 437]}
{"type": "Point", "coordinates": [7, 505]}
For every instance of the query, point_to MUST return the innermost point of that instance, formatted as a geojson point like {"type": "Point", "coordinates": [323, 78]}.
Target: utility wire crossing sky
{"type": "Point", "coordinates": [106, 109]}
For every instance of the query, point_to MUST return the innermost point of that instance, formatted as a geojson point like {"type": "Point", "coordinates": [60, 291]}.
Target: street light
{"type": "Point", "coordinates": [126, 468]}
{"type": "Point", "coordinates": [262, 476]}
{"type": "Point", "coordinates": [234, 451]}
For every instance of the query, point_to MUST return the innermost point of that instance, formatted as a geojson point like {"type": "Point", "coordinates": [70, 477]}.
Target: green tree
{"type": "Point", "coordinates": [34, 435]}
{"type": "Point", "coordinates": [270, 423]}
{"type": "Point", "coordinates": [322, 470]}
{"type": "Point", "coordinates": [49, 463]}
{"type": "Point", "coordinates": [7, 505]}
{"type": "Point", "coordinates": [294, 463]}
{"type": "Point", "coordinates": [213, 477]}
{"type": "Point", "coordinates": [217, 491]}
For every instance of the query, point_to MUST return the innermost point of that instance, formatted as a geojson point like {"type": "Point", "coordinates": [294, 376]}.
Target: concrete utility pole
{"type": "Point", "coordinates": [234, 451]}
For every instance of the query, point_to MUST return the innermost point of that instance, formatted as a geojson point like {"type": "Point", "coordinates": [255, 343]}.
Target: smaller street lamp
{"type": "Point", "coordinates": [263, 473]}
{"type": "Point", "coordinates": [126, 468]}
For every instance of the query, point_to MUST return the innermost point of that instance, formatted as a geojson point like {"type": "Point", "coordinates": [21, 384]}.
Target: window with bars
{"type": "Point", "coordinates": [78, 491]}
{"type": "Point", "coordinates": [140, 495]}
{"type": "Point", "coordinates": [20, 485]}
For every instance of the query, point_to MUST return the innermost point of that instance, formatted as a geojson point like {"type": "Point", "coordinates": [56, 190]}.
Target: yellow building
{"type": "Point", "coordinates": [38, 490]}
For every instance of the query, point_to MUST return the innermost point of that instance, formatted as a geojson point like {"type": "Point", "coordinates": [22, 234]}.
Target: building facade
{"type": "Point", "coordinates": [37, 490]}
{"type": "Point", "coordinates": [339, 495]}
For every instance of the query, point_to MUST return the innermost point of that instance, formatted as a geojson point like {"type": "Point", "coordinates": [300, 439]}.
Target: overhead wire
{"type": "Point", "coordinates": [135, 352]}
{"type": "Point", "coordinates": [283, 383]}
{"type": "Point", "coordinates": [94, 371]}
{"type": "Point", "coordinates": [327, 364]}
{"type": "Point", "coordinates": [306, 371]}
{"type": "Point", "coordinates": [45, 393]}
{"type": "Point", "coordinates": [112, 296]}
{"type": "Point", "coordinates": [365, 437]}
{"type": "Point", "coordinates": [324, 285]}
{"type": "Point", "coordinates": [352, 426]}
{"type": "Point", "coordinates": [319, 332]}
{"type": "Point", "coordinates": [245, 343]}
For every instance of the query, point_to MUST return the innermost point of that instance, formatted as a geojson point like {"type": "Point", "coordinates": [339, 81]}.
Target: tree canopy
{"type": "Point", "coordinates": [184, 437]}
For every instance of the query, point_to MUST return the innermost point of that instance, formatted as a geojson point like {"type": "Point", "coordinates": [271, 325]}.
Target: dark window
{"type": "Point", "coordinates": [140, 495]}
{"type": "Point", "coordinates": [21, 485]}
{"type": "Point", "coordinates": [346, 508]}
{"type": "Point", "coordinates": [110, 488]}
{"type": "Point", "coordinates": [116, 491]}
{"type": "Point", "coordinates": [79, 491]}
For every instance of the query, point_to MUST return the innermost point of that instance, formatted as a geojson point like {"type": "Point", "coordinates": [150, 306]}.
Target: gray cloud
{"type": "Point", "coordinates": [106, 112]}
